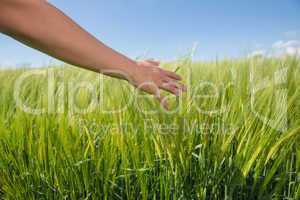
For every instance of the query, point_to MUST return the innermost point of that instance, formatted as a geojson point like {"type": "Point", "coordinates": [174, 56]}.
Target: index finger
{"type": "Point", "coordinates": [173, 75]}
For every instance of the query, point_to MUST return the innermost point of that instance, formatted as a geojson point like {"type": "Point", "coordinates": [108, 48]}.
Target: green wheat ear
{"type": "Point", "coordinates": [231, 154]}
{"type": "Point", "coordinates": [177, 69]}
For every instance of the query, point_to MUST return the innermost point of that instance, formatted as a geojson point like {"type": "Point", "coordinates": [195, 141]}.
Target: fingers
{"type": "Point", "coordinates": [175, 88]}
{"type": "Point", "coordinates": [180, 86]}
{"type": "Point", "coordinates": [152, 79]}
{"type": "Point", "coordinates": [170, 88]}
{"type": "Point", "coordinates": [172, 75]}
{"type": "Point", "coordinates": [154, 90]}
{"type": "Point", "coordinates": [169, 85]}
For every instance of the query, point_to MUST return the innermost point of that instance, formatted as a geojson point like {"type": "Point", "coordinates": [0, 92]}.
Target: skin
{"type": "Point", "coordinates": [40, 25]}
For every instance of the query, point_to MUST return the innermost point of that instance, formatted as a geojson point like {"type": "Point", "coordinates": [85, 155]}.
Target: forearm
{"type": "Point", "coordinates": [42, 26]}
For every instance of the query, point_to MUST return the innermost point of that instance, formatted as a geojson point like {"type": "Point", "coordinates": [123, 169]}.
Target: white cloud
{"type": "Point", "coordinates": [293, 51]}
{"type": "Point", "coordinates": [291, 43]}
{"type": "Point", "coordinates": [278, 44]}
{"type": "Point", "coordinates": [279, 49]}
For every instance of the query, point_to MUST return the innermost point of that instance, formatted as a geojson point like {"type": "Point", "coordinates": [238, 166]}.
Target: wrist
{"type": "Point", "coordinates": [125, 71]}
{"type": "Point", "coordinates": [130, 70]}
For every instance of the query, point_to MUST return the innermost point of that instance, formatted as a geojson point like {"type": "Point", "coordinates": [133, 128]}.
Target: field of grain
{"type": "Point", "coordinates": [66, 133]}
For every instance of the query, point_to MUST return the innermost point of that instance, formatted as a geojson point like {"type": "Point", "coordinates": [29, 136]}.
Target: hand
{"type": "Point", "coordinates": [150, 78]}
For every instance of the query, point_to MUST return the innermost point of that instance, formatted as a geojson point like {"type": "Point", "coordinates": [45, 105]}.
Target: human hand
{"type": "Point", "coordinates": [147, 76]}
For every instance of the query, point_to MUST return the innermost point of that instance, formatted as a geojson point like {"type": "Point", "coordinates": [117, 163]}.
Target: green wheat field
{"type": "Point", "coordinates": [234, 135]}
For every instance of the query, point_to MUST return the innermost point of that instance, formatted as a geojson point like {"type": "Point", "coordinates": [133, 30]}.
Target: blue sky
{"type": "Point", "coordinates": [166, 29]}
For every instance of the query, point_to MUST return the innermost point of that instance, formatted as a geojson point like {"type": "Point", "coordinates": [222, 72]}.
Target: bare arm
{"type": "Point", "coordinates": [40, 25]}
